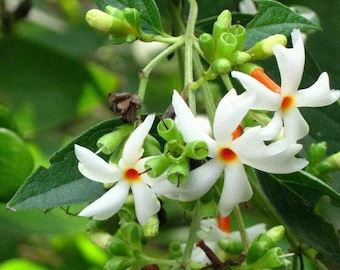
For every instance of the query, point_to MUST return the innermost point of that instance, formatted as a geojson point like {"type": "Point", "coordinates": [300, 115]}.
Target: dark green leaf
{"type": "Point", "coordinates": [147, 8]}
{"type": "Point", "coordinates": [295, 196]}
{"type": "Point", "coordinates": [62, 184]}
{"type": "Point", "coordinates": [275, 18]}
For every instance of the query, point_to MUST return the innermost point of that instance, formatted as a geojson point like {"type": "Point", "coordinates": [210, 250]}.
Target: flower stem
{"type": "Point", "coordinates": [227, 82]}
{"type": "Point", "coordinates": [241, 228]}
{"type": "Point", "coordinates": [188, 53]}
{"type": "Point", "coordinates": [145, 72]}
{"type": "Point", "coordinates": [192, 238]}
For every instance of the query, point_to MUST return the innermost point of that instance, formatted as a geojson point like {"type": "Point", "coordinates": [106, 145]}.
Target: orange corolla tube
{"type": "Point", "coordinates": [259, 74]}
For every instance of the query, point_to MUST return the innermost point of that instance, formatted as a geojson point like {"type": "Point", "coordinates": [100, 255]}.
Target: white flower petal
{"type": "Point", "coordinates": [188, 124]}
{"type": "Point", "coordinates": [108, 204]}
{"type": "Point", "coordinates": [95, 168]}
{"type": "Point", "coordinates": [229, 114]}
{"type": "Point", "coordinates": [199, 182]}
{"type": "Point", "coordinates": [252, 232]}
{"type": "Point", "coordinates": [236, 188]}
{"type": "Point", "coordinates": [133, 147]}
{"type": "Point", "coordinates": [291, 63]}
{"type": "Point", "coordinates": [317, 95]}
{"type": "Point", "coordinates": [282, 162]}
{"type": "Point", "coordinates": [295, 126]}
{"type": "Point", "coordinates": [273, 128]}
{"type": "Point", "coordinates": [265, 99]}
{"type": "Point", "coordinates": [146, 202]}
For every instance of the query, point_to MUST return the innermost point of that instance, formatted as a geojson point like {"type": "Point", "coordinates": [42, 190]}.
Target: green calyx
{"type": "Point", "coordinates": [178, 172]}
{"type": "Point", "coordinates": [197, 150]}
{"type": "Point", "coordinates": [157, 165]}
{"type": "Point", "coordinates": [123, 25]}
{"type": "Point", "coordinates": [109, 142]}
{"type": "Point", "coordinates": [168, 130]}
{"type": "Point", "coordinates": [175, 151]}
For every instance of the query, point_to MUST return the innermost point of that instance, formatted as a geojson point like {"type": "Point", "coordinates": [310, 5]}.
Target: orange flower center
{"type": "Point", "coordinates": [224, 223]}
{"type": "Point", "coordinates": [227, 155]}
{"type": "Point", "coordinates": [131, 175]}
{"type": "Point", "coordinates": [287, 103]}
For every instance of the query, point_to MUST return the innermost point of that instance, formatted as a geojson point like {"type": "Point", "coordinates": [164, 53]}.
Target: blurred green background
{"type": "Point", "coordinates": [55, 74]}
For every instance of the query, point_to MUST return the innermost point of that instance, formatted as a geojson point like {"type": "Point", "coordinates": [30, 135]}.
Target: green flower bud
{"type": "Point", "coordinates": [242, 57]}
{"type": "Point", "coordinates": [222, 66]}
{"type": "Point", "coordinates": [324, 167]}
{"type": "Point", "coordinates": [197, 150]}
{"type": "Point", "coordinates": [117, 247]}
{"type": "Point", "coordinates": [175, 151]}
{"type": "Point", "coordinates": [207, 45]}
{"type": "Point", "coordinates": [316, 152]}
{"type": "Point", "coordinates": [178, 172]}
{"type": "Point", "coordinates": [155, 166]}
{"type": "Point", "coordinates": [264, 49]}
{"type": "Point", "coordinates": [133, 18]}
{"type": "Point", "coordinates": [272, 259]}
{"type": "Point", "coordinates": [99, 20]}
{"type": "Point", "coordinates": [168, 130]}
{"type": "Point", "coordinates": [240, 34]}
{"type": "Point", "coordinates": [222, 24]}
{"type": "Point", "coordinates": [119, 263]}
{"type": "Point", "coordinates": [225, 46]}
{"type": "Point", "coordinates": [151, 228]}
{"type": "Point", "coordinates": [230, 246]}
{"type": "Point", "coordinates": [175, 250]}
{"type": "Point", "coordinates": [275, 234]}
{"type": "Point", "coordinates": [151, 146]}
{"type": "Point", "coordinates": [110, 141]}
{"type": "Point", "coordinates": [256, 251]}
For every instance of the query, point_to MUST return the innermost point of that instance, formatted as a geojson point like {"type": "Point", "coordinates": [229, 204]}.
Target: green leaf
{"type": "Point", "coordinates": [295, 196]}
{"type": "Point", "coordinates": [275, 18]}
{"type": "Point", "coordinates": [147, 8]}
{"type": "Point", "coordinates": [62, 184]}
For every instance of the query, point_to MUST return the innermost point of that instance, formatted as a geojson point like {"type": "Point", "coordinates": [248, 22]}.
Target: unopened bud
{"type": "Point", "coordinates": [316, 152]}
{"type": "Point", "coordinates": [242, 58]}
{"type": "Point", "coordinates": [222, 24]}
{"type": "Point", "coordinates": [222, 66]}
{"type": "Point", "coordinates": [329, 164]}
{"type": "Point", "coordinates": [168, 130]}
{"type": "Point", "coordinates": [99, 20]}
{"type": "Point", "coordinates": [230, 246]}
{"type": "Point", "coordinates": [155, 166]}
{"type": "Point", "coordinates": [207, 45]}
{"type": "Point", "coordinates": [151, 228]}
{"type": "Point", "coordinates": [275, 234]}
{"type": "Point", "coordinates": [110, 141]}
{"type": "Point", "coordinates": [264, 49]}
{"type": "Point", "coordinates": [197, 150]}
{"type": "Point", "coordinates": [178, 172]}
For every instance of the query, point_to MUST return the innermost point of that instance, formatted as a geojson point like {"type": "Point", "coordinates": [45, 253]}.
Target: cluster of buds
{"type": "Point", "coordinates": [224, 48]}
{"type": "Point", "coordinates": [177, 155]}
{"type": "Point", "coordinates": [264, 252]}
{"type": "Point", "coordinates": [123, 25]}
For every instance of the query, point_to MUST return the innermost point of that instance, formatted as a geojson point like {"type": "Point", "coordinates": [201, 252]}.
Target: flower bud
{"type": "Point", "coordinates": [168, 130]}
{"type": "Point", "coordinates": [264, 48]}
{"type": "Point", "coordinates": [110, 141]}
{"type": "Point", "coordinates": [272, 259]}
{"type": "Point", "coordinates": [230, 246]}
{"type": "Point", "coordinates": [242, 58]}
{"type": "Point", "coordinates": [175, 151]}
{"type": "Point", "coordinates": [222, 24]}
{"type": "Point", "coordinates": [151, 228]}
{"type": "Point", "coordinates": [225, 46]}
{"type": "Point", "coordinates": [155, 166]}
{"type": "Point", "coordinates": [132, 16]}
{"type": "Point", "coordinates": [316, 152]}
{"type": "Point", "coordinates": [151, 146]}
{"type": "Point", "coordinates": [329, 164]}
{"type": "Point", "coordinates": [275, 234]}
{"type": "Point", "coordinates": [99, 20]}
{"type": "Point", "coordinates": [256, 251]}
{"type": "Point", "coordinates": [178, 172]}
{"type": "Point", "coordinates": [222, 66]}
{"type": "Point", "coordinates": [207, 45]}
{"type": "Point", "coordinates": [119, 263]}
{"type": "Point", "coordinates": [197, 150]}
{"type": "Point", "coordinates": [239, 33]}
{"type": "Point", "coordinates": [117, 247]}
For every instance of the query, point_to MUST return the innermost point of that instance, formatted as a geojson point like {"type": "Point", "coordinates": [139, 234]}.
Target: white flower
{"type": "Point", "coordinates": [228, 154]}
{"type": "Point", "coordinates": [128, 173]}
{"type": "Point", "coordinates": [286, 102]}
